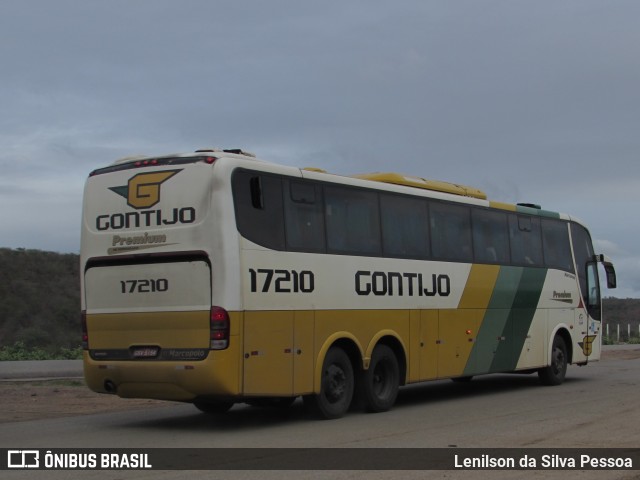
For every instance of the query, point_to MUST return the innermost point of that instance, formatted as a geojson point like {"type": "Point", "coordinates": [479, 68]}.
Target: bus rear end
{"type": "Point", "coordinates": [150, 326]}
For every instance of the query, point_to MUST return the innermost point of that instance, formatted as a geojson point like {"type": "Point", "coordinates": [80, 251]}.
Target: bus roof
{"type": "Point", "coordinates": [199, 152]}
{"type": "Point", "coordinates": [464, 193]}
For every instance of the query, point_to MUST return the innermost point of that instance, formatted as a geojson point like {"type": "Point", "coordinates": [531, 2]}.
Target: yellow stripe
{"type": "Point", "coordinates": [458, 329]}
{"type": "Point", "coordinates": [479, 288]}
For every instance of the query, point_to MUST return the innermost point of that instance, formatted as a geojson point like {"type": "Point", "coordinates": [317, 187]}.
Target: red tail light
{"type": "Point", "coordinates": [220, 327]}
{"type": "Point", "coordinates": [85, 334]}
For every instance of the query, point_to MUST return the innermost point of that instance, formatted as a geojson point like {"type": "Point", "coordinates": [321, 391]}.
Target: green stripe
{"type": "Point", "coordinates": [494, 321]}
{"type": "Point", "coordinates": [519, 319]}
{"type": "Point", "coordinates": [507, 320]}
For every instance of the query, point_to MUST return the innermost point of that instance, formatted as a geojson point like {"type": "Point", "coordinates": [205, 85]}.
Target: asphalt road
{"type": "Point", "coordinates": [39, 369]}
{"type": "Point", "coordinates": [597, 406]}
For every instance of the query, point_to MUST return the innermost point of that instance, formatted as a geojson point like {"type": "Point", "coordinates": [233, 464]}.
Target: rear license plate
{"type": "Point", "coordinates": [145, 352]}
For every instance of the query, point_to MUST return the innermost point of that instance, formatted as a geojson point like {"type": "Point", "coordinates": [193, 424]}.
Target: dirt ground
{"type": "Point", "coordinates": [22, 401]}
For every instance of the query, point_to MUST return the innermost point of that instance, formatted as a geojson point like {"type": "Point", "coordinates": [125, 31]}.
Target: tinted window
{"type": "Point", "coordinates": [525, 240]}
{"type": "Point", "coordinates": [304, 217]}
{"type": "Point", "coordinates": [352, 221]}
{"type": "Point", "coordinates": [583, 250]}
{"type": "Point", "coordinates": [284, 213]}
{"type": "Point", "coordinates": [490, 237]}
{"type": "Point", "coordinates": [451, 232]}
{"type": "Point", "coordinates": [258, 205]}
{"type": "Point", "coordinates": [555, 242]}
{"type": "Point", "coordinates": [405, 226]}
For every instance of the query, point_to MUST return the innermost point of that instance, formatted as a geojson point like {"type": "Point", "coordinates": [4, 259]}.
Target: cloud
{"type": "Point", "coordinates": [529, 101]}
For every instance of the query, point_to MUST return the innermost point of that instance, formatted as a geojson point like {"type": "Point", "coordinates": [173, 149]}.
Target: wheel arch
{"type": "Point", "coordinates": [349, 344]}
{"type": "Point", "coordinates": [393, 341]}
{"type": "Point", "coordinates": [563, 332]}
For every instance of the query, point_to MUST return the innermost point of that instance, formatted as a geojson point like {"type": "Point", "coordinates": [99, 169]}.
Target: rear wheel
{"type": "Point", "coordinates": [213, 407]}
{"type": "Point", "coordinates": [382, 380]}
{"type": "Point", "coordinates": [336, 388]}
{"type": "Point", "coordinates": [554, 374]}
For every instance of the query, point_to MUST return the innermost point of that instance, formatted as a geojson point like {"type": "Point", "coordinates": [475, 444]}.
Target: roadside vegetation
{"type": "Point", "coordinates": [18, 351]}
{"type": "Point", "coordinates": [40, 307]}
{"type": "Point", "coordinates": [612, 340]}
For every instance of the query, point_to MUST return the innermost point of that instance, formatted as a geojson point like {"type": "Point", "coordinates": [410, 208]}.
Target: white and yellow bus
{"type": "Point", "coordinates": [216, 278]}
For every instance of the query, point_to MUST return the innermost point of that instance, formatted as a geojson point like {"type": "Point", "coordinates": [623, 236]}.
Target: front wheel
{"type": "Point", "coordinates": [382, 380]}
{"type": "Point", "coordinates": [554, 374]}
{"type": "Point", "coordinates": [336, 388]}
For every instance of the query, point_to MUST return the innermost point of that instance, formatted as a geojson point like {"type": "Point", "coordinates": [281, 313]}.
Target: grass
{"type": "Point", "coordinates": [19, 351]}
{"type": "Point", "coordinates": [611, 340]}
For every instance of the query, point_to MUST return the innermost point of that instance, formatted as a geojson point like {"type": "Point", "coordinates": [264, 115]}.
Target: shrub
{"type": "Point", "coordinates": [19, 351]}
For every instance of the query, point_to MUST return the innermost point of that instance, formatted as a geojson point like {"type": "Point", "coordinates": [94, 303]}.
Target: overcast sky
{"type": "Point", "coordinates": [532, 101]}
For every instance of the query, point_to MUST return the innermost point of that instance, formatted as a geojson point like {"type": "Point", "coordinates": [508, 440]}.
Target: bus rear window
{"type": "Point", "coordinates": [259, 212]}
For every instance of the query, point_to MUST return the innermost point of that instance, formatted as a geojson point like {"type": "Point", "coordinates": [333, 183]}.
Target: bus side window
{"type": "Point", "coordinates": [526, 242]}
{"type": "Point", "coordinates": [490, 237]}
{"type": "Point", "coordinates": [451, 232]}
{"type": "Point", "coordinates": [259, 211]}
{"type": "Point", "coordinates": [405, 226]}
{"type": "Point", "coordinates": [555, 242]}
{"type": "Point", "coordinates": [304, 219]}
{"type": "Point", "coordinates": [352, 221]}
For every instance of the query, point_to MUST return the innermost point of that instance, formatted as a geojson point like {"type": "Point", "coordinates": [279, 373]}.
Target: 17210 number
{"type": "Point", "coordinates": [281, 281]}
{"type": "Point", "coordinates": [147, 285]}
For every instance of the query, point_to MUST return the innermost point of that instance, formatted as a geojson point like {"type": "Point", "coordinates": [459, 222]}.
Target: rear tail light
{"type": "Point", "coordinates": [147, 162]}
{"type": "Point", "coordinates": [85, 334]}
{"type": "Point", "coordinates": [220, 327]}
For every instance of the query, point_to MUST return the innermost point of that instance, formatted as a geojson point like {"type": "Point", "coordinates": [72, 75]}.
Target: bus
{"type": "Point", "coordinates": [217, 278]}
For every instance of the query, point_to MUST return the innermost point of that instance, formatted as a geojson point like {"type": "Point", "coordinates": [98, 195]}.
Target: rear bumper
{"type": "Point", "coordinates": [219, 375]}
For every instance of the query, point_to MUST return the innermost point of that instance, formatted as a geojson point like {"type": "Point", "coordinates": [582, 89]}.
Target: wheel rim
{"type": "Point", "coordinates": [558, 361]}
{"type": "Point", "coordinates": [381, 386]}
{"type": "Point", "coordinates": [335, 383]}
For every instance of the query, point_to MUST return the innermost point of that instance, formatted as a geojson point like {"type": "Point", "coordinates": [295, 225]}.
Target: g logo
{"type": "Point", "coordinates": [143, 189]}
{"type": "Point", "coordinates": [587, 344]}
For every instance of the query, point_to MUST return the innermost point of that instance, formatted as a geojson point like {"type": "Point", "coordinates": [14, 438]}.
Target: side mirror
{"type": "Point", "coordinates": [611, 276]}
{"type": "Point", "coordinates": [608, 269]}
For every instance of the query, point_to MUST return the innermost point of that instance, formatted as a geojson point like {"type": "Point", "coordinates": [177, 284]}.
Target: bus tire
{"type": "Point", "coordinates": [381, 380]}
{"type": "Point", "coordinates": [336, 386]}
{"type": "Point", "coordinates": [213, 407]}
{"type": "Point", "coordinates": [554, 374]}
